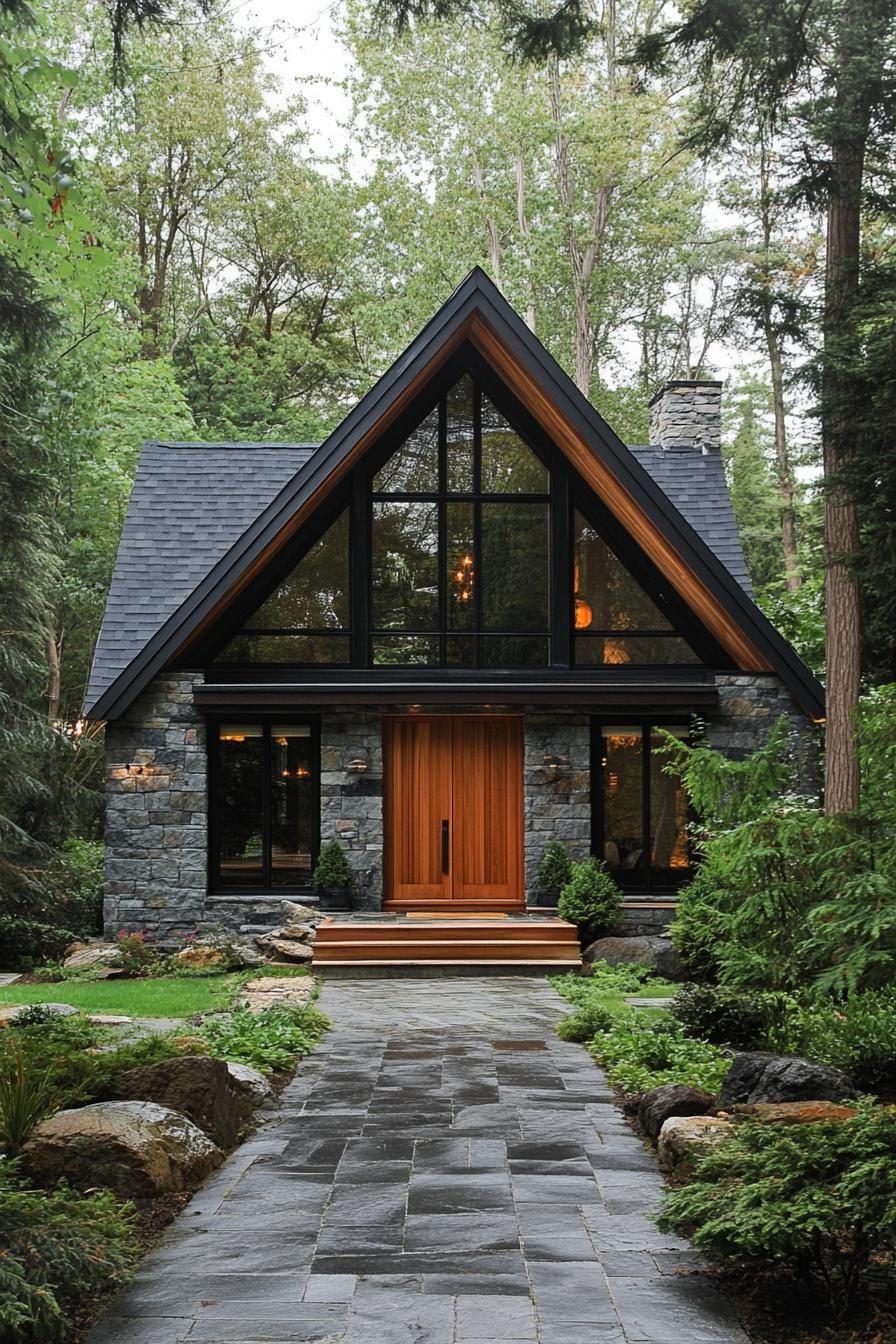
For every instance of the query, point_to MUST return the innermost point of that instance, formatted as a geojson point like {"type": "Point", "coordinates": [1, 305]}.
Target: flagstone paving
{"type": "Point", "coordinates": [444, 1171]}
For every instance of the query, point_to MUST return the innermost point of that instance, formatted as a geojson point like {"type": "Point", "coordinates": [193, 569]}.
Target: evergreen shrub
{"type": "Point", "coordinates": [555, 869]}
{"type": "Point", "coordinates": [591, 899]}
{"type": "Point", "coordinates": [818, 1200]}
{"type": "Point", "coordinates": [723, 1016]}
{"type": "Point", "coordinates": [332, 872]}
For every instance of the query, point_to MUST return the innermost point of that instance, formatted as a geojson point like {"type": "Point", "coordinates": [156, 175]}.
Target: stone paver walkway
{"type": "Point", "coordinates": [445, 1171]}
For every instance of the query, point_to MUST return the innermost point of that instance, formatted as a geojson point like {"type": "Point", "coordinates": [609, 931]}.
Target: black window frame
{"type": "Point", "coordinates": [265, 720]}
{"type": "Point", "coordinates": [642, 879]}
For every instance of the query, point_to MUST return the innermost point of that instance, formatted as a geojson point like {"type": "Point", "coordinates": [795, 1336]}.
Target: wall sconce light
{"type": "Point", "coordinates": [553, 766]}
{"type": "Point", "coordinates": [357, 766]}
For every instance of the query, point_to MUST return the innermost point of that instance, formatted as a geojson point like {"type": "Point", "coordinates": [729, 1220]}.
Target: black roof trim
{"type": "Point", "coordinates": [476, 294]}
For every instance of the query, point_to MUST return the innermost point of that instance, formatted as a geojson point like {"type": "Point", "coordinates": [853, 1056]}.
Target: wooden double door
{"type": "Point", "coordinates": [453, 812]}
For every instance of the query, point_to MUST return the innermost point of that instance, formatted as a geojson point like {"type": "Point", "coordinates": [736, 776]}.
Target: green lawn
{"type": "Point", "coordinates": [173, 996]}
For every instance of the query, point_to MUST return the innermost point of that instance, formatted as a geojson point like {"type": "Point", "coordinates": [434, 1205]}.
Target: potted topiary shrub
{"type": "Point", "coordinates": [554, 872]}
{"type": "Point", "coordinates": [332, 877]}
{"type": "Point", "coordinates": [591, 900]}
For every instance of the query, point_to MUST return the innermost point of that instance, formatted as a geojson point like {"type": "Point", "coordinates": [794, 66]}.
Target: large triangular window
{"type": "Point", "coordinates": [465, 554]}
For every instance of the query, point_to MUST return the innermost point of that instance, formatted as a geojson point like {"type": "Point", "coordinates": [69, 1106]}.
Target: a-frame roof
{"type": "Point", "coordinates": [477, 313]}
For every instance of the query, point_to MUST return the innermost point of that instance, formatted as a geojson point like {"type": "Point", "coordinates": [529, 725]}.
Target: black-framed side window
{"type": "Point", "coordinates": [639, 812]}
{"type": "Point", "coordinates": [264, 803]}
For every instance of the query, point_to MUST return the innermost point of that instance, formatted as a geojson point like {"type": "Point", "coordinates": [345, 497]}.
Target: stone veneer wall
{"type": "Point", "coordinates": [156, 812]}
{"type": "Point", "coordinates": [156, 820]}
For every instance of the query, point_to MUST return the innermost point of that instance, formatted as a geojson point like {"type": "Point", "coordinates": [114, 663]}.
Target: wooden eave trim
{"type": "Point", "coordinates": [598, 475]}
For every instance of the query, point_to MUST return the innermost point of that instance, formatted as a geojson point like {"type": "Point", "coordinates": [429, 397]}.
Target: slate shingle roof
{"type": "Point", "coordinates": [190, 503]}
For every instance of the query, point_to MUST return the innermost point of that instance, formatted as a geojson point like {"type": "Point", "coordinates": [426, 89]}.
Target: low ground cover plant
{"type": "Point", "coordinates": [817, 1200]}
{"type": "Point", "coordinates": [270, 1040]}
{"type": "Point", "coordinates": [639, 1052]}
{"type": "Point", "coordinates": [56, 1247]}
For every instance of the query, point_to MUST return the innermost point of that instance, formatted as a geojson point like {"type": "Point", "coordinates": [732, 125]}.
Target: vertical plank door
{"type": "Point", "coordinates": [487, 814]}
{"type": "Point", "coordinates": [417, 809]}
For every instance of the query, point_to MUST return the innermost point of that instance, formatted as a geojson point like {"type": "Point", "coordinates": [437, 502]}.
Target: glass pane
{"type": "Point", "coordinates": [623, 802]}
{"type": "Point", "coordinates": [405, 566]}
{"type": "Point", "coordinates": [460, 567]}
{"type": "Point", "coordinates": [239, 790]}
{"type": "Point", "coordinates": [513, 650]}
{"type": "Point", "coordinates": [460, 651]}
{"type": "Point", "coordinates": [314, 595]}
{"type": "Point", "coordinates": [509, 466]}
{"type": "Point", "coordinates": [292, 800]}
{"type": "Point", "coordinates": [286, 650]}
{"type": "Point", "coordinates": [669, 650]}
{"type": "Point", "coordinates": [413, 469]}
{"type": "Point", "coordinates": [460, 436]}
{"type": "Point", "coordinates": [406, 650]}
{"type": "Point", "coordinates": [669, 859]}
{"type": "Point", "coordinates": [515, 566]}
{"type": "Point", "coordinates": [605, 594]}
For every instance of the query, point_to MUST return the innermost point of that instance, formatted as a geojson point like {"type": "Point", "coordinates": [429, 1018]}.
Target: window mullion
{"type": "Point", "coordinates": [645, 799]}
{"type": "Point", "coordinates": [560, 614]}
{"type": "Point", "coordinates": [266, 796]}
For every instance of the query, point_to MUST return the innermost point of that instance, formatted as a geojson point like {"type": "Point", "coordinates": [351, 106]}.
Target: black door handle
{"type": "Point", "coordinates": [445, 844]}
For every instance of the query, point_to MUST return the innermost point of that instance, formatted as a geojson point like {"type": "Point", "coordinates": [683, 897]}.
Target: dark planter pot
{"type": "Point", "coordinates": [549, 900]}
{"type": "Point", "coordinates": [336, 898]}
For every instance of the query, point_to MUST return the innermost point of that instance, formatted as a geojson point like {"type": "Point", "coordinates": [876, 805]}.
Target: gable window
{"type": "Point", "coordinates": [460, 543]}
{"type": "Point", "coordinates": [463, 542]}
{"type": "Point", "coordinates": [264, 808]}
{"type": "Point", "coordinates": [640, 813]}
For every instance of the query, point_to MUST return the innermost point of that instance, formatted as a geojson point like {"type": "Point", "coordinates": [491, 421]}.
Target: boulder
{"type": "Point", "coordinates": [651, 950]}
{"type": "Point", "coordinates": [199, 1087]}
{"type": "Point", "coordinates": [135, 1148]}
{"type": "Point", "coordinates": [251, 1083]}
{"type": "Point", "coordinates": [683, 1138]}
{"type": "Point", "coordinates": [108, 1019]}
{"type": "Point", "coordinates": [796, 1112]}
{"type": "Point", "coordinates": [288, 948]}
{"type": "Point", "coordinates": [294, 913]}
{"type": "Point", "coordinates": [757, 1076]}
{"type": "Point", "coordinates": [661, 1103]}
{"type": "Point", "coordinates": [302, 933]}
{"type": "Point", "coordinates": [54, 1009]}
{"type": "Point", "coordinates": [96, 954]}
{"type": "Point", "coordinates": [199, 957]}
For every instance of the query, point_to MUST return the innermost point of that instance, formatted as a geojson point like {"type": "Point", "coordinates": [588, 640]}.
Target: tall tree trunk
{"type": "Point", "coordinates": [841, 528]}
{"type": "Point", "coordinates": [786, 486]}
{"type": "Point", "coordinates": [54, 684]}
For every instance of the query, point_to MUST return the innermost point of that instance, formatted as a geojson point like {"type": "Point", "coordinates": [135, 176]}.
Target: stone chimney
{"type": "Point", "coordinates": [687, 413]}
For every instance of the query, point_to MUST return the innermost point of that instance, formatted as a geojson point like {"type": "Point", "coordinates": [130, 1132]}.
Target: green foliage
{"type": "Point", "coordinates": [57, 1247]}
{"type": "Point", "coordinates": [26, 941]}
{"type": "Point", "coordinates": [786, 896]}
{"type": "Point", "coordinates": [641, 1051]}
{"type": "Point", "coordinates": [332, 872]}
{"type": "Point", "coordinates": [136, 957]}
{"type": "Point", "coordinates": [625, 979]}
{"type": "Point", "coordinates": [555, 869]}
{"type": "Point", "coordinates": [585, 1023]}
{"type": "Point", "coordinates": [270, 1040]}
{"type": "Point", "coordinates": [856, 1034]}
{"type": "Point", "coordinates": [722, 1016]}
{"type": "Point", "coordinates": [819, 1199]}
{"type": "Point", "coordinates": [73, 880]}
{"type": "Point", "coordinates": [590, 899]}
{"type": "Point", "coordinates": [26, 1096]}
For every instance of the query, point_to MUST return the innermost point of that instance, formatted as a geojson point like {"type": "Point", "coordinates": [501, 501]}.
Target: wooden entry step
{"type": "Point", "coordinates": [551, 943]}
